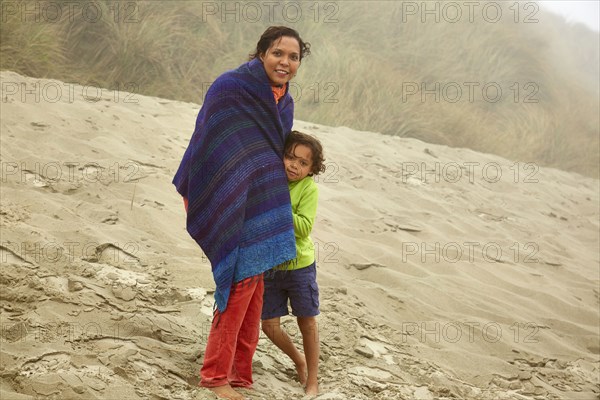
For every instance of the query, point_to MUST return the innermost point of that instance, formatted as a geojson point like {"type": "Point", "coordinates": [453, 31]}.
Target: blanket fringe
{"type": "Point", "coordinates": [285, 267]}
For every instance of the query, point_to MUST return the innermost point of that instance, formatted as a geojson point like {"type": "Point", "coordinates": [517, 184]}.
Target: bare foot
{"type": "Point", "coordinates": [312, 389]}
{"type": "Point", "coordinates": [302, 372]}
{"type": "Point", "coordinates": [226, 392]}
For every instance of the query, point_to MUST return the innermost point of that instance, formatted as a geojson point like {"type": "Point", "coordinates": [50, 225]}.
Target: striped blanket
{"type": "Point", "coordinates": [232, 175]}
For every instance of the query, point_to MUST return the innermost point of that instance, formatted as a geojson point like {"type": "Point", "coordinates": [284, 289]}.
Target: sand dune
{"type": "Point", "coordinates": [445, 273]}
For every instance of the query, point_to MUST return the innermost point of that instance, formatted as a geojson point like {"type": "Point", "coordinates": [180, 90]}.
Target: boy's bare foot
{"type": "Point", "coordinates": [302, 372]}
{"type": "Point", "coordinates": [226, 392]}
{"type": "Point", "coordinates": [312, 389]}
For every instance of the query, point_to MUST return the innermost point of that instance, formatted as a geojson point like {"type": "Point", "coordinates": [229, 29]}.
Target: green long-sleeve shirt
{"type": "Point", "coordinates": [304, 195]}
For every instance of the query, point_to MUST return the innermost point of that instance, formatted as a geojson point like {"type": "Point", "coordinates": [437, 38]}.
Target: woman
{"type": "Point", "coordinates": [236, 196]}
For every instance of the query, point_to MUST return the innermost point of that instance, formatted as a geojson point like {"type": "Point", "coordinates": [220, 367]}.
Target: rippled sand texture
{"type": "Point", "coordinates": [444, 273]}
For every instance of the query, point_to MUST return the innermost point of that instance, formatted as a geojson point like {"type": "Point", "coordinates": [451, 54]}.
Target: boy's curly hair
{"type": "Point", "coordinates": [295, 138]}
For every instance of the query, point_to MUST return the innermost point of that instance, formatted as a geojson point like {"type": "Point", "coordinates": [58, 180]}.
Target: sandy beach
{"type": "Point", "coordinates": [444, 273]}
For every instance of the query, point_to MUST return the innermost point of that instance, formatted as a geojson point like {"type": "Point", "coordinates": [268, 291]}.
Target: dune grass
{"type": "Point", "coordinates": [373, 67]}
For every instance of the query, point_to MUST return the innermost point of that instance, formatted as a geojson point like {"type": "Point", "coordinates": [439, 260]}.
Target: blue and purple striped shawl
{"type": "Point", "coordinates": [232, 174]}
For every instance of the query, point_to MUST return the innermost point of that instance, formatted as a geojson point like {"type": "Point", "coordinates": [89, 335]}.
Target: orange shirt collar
{"type": "Point", "coordinates": [278, 92]}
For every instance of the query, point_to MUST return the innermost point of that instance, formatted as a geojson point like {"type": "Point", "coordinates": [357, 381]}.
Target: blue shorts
{"type": "Point", "coordinates": [297, 285]}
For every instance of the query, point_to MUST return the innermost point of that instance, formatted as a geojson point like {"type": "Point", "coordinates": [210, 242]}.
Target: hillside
{"type": "Point", "coordinates": [444, 273]}
{"type": "Point", "coordinates": [499, 77]}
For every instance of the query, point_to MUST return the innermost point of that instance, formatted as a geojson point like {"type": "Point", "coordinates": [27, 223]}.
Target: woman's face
{"type": "Point", "coordinates": [282, 60]}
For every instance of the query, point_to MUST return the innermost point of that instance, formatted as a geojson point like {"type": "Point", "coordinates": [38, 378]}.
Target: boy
{"type": "Point", "coordinates": [296, 280]}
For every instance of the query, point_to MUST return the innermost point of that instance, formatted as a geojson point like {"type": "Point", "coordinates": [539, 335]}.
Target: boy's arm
{"type": "Point", "coordinates": [305, 213]}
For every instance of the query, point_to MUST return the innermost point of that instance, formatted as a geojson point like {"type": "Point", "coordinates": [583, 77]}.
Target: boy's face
{"type": "Point", "coordinates": [298, 162]}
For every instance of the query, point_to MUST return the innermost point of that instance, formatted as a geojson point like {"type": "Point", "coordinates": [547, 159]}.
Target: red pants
{"type": "Point", "coordinates": [233, 337]}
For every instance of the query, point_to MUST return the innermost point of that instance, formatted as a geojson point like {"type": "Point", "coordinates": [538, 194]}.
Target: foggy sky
{"type": "Point", "coordinates": [587, 12]}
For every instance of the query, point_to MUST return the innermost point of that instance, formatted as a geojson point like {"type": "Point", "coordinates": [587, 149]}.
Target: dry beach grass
{"type": "Point", "coordinates": [523, 85]}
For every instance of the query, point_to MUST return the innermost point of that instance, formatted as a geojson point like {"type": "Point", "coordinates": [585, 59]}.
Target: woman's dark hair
{"type": "Point", "coordinates": [274, 33]}
{"type": "Point", "coordinates": [294, 138]}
